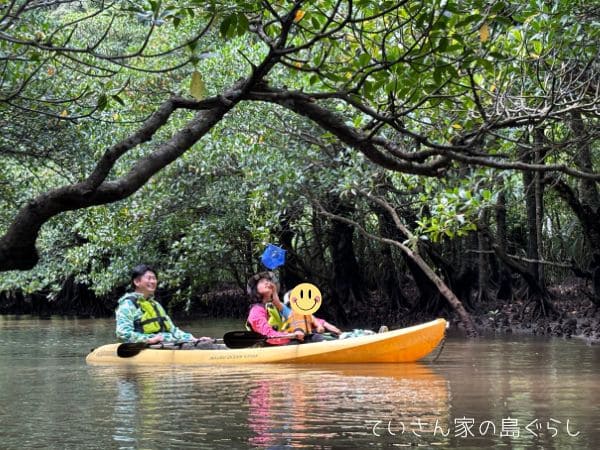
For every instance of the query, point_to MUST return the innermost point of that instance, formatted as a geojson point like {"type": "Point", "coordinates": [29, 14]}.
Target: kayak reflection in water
{"type": "Point", "coordinates": [268, 402]}
{"type": "Point", "coordinates": [140, 318]}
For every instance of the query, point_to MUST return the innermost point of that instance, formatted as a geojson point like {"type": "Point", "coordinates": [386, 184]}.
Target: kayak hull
{"type": "Point", "coordinates": [404, 345]}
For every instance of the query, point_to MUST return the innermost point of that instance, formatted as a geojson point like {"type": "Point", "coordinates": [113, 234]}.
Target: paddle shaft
{"type": "Point", "coordinates": [129, 349]}
{"type": "Point", "coordinates": [244, 339]}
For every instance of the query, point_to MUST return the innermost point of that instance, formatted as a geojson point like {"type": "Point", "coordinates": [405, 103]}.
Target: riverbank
{"type": "Point", "coordinates": [573, 315]}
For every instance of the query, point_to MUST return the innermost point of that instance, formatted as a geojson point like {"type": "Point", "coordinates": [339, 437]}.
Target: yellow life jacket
{"type": "Point", "coordinates": [154, 317]}
{"type": "Point", "coordinates": [299, 321]}
{"type": "Point", "coordinates": [276, 320]}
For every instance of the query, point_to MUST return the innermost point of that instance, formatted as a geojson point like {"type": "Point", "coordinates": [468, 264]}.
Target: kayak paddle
{"type": "Point", "coordinates": [244, 339]}
{"type": "Point", "coordinates": [129, 349]}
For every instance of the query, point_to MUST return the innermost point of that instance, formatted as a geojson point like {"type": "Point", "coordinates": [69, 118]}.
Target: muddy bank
{"type": "Point", "coordinates": [574, 316]}
{"type": "Point", "coordinates": [72, 300]}
{"type": "Point", "coordinates": [77, 300]}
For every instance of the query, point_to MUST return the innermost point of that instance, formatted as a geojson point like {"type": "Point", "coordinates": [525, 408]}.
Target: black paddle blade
{"type": "Point", "coordinates": [242, 339]}
{"type": "Point", "coordinates": [128, 350]}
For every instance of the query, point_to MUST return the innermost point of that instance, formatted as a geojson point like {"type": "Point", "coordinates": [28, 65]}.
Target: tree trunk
{"type": "Point", "coordinates": [533, 185]}
{"type": "Point", "coordinates": [347, 283]}
{"type": "Point", "coordinates": [534, 204]}
{"type": "Point", "coordinates": [539, 202]}
{"type": "Point", "coordinates": [391, 286]}
{"type": "Point", "coordinates": [586, 203]}
{"type": "Point", "coordinates": [291, 273]}
{"type": "Point", "coordinates": [483, 258]}
{"type": "Point", "coordinates": [531, 210]}
{"type": "Point", "coordinates": [505, 288]}
{"type": "Point", "coordinates": [588, 190]}
{"type": "Point", "coordinates": [461, 275]}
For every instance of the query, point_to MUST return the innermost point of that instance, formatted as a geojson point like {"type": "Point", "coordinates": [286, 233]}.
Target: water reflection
{"type": "Point", "coordinates": [125, 411]}
{"type": "Point", "coordinates": [270, 406]}
{"type": "Point", "coordinates": [538, 393]}
{"type": "Point", "coordinates": [296, 407]}
{"type": "Point", "coordinates": [50, 398]}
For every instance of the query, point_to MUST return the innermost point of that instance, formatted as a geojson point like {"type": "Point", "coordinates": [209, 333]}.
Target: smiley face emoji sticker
{"type": "Point", "coordinates": [305, 299]}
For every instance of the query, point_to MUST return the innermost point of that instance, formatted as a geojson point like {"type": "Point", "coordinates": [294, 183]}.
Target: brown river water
{"type": "Point", "coordinates": [510, 392]}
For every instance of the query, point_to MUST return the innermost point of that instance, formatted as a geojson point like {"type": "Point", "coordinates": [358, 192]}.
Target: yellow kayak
{"type": "Point", "coordinates": [403, 345]}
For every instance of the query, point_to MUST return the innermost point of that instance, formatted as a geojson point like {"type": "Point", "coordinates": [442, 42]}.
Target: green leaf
{"type": "Point", "coordinates": [242, 24]}
{"type": "Point", "coordinates": [102, 102]}
{"type": "Point", "coordinates": [468, 20]}
{"type": "Point", "coordinates": [437, 75]}
{"type": "Point", "coordinates": [118, 99]}
{"type": "Point", "coordinates": [154, 5]}
{"type": "Point", "coordinates": [364, 59]}
{"type": "Point", "coordinates": [443, 44]}
{"type": "Point", "coordinates": [197, 86]}
{"type": "Point", "coordinates": [315, 22]}
{"type": "Point", "coordinates": [228, 26]}
{"type": "Point", "coordinates": [487, 65]}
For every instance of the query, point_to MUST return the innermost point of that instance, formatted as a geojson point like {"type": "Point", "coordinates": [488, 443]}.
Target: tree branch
{"type": "Point", "coordinates": [17, 246]}
{"type": "Point", "coordinates": [444, 290]}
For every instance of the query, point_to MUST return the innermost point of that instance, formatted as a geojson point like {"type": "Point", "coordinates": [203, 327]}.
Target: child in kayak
{"type": "Point", "coordinates": [265, 315]}
{"type": "Point", "coordinates": [307, 323]}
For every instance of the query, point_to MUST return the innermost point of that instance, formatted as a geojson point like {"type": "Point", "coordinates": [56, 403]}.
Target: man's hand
{"type": "Point", "coordinates": [155, 340]}
{"type": "Point", "coordinates": [299, 335]}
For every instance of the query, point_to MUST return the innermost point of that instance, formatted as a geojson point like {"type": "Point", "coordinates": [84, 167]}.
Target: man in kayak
{"type": "Point", "coordinates": [265, 317]}
{"type": "Point", "coordinates": [140, 318]}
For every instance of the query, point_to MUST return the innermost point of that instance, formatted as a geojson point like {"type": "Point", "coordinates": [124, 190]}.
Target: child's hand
{"type": "Point", "coordinates": [332, 328]}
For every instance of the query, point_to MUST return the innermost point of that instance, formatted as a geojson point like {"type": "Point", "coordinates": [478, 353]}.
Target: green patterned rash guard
{"type": "Point", "coordinates": [127, 313]}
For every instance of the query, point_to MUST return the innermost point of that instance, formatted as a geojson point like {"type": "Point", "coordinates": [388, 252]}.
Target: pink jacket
{"type": "Point", "coordinates": [258, 318]}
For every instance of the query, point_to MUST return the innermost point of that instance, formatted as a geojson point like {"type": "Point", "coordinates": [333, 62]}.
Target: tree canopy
{"type": "Point", "coordinates": [241, 121]}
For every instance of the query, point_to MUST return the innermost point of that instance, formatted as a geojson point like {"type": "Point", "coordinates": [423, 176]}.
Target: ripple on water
{"type": "Point", "coordinates": [49, 395]}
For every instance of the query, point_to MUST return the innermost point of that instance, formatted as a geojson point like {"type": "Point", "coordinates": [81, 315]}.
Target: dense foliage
{"type": "Point", "coordinates": [475, 121]}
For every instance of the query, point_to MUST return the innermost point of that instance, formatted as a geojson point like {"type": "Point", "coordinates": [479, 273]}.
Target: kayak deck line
{"type": "Point", "coordinates": [403, 345]}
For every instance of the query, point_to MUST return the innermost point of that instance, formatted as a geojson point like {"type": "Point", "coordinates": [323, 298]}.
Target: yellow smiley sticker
{"type": "Point", "coordinates": [305, 299]}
